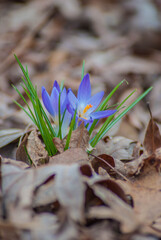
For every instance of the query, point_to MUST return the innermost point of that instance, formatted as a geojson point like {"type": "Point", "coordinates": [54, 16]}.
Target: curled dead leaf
{"type": "Point", "coordinates": [114, 187]}
{"type": "Point", "coordinates": [114, 209]}
{"type": "Point", "coordinates": [9, 135]}
{"type": "Point", "coordinates": [36, 150]}
{"type": "Point", "coordinates": [21, 152]}
{"type": "Point", "coordinates": [104, 163]}
{"type": "Point", "coordinates": [152, 139]}
{"type": "Point", "coordinates": [79, 138]}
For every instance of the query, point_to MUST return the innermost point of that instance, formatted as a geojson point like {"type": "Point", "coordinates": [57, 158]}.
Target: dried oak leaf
{"type": "Point", "coordinates": [122, 150]}
{"type": "Point", "coordinates": [49, 191]}
{"type": "Point", "coordinates": [152, 148]}
{"type": "Point", "coordinates": [36, 149]}
{"type": "Point", "coordinates": [115, 209]}
{"type": "Point", "coordinates": [146, 186]}
{"type": "Point", "coordinates": [72, 155]}
{"type": "Point", "coordinates": [145, 191]}
{"type": "Point", "coordinates": [22, 189]}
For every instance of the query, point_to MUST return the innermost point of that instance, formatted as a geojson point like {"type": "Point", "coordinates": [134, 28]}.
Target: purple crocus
{"type": "Point", "coordinates": [52, 105]}
{"type": "Point", "coordinates": [87, 104]}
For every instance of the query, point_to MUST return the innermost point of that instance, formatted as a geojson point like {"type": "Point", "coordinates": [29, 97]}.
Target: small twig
{"type": "Point", "coordinates": [115, 170]}
{"type": "Point", "coordinates": [149, 109]}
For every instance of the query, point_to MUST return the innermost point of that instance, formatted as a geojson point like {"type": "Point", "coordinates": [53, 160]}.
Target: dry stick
{"type": "Point", "coordinates": [26, 42]}
{"type": "Point", "coordinates": [115, 170]}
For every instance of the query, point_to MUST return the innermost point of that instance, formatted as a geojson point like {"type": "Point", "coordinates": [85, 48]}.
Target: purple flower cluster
{"type": "Point", "coordinates": [62, 105]}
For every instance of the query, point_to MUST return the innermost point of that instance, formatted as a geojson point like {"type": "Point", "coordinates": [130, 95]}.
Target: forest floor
{"type": "Point", "coordinates": [116, 193]}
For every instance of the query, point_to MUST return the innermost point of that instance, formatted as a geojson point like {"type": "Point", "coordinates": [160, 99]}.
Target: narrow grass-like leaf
{"type": "Point", "coordinates": [31, 115]}
{"type": "Point", "coordinates": [110, 118]}
{"type": "Point", "coordinates": [19, 105]}
{"type": "Point", "coordinates": [104, 104]}
{"type": "Point", "coordinates": [61, 85]}
{"type": "Point", "coordinates": [95, 140]}
{"type": "Point", "coordinates": [83, 65]}
{"type": "Point", "coordinates": [28, 156]}
{"type": "Point", "coordinates": [38, 115]}
{"type": "Point", "coordinates": [44, 130]}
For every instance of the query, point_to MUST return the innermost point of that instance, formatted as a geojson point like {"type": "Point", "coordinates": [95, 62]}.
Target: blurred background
{"type": "Point", "coordinates": [118, 39]}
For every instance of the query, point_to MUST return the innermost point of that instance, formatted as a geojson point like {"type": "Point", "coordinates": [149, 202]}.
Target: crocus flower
{"type": "Point", "coordinates": [87, 104]}
{"type": "Point", "coordinates": [52, 105]}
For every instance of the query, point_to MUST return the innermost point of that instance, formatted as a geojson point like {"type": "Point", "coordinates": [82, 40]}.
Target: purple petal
{"type": "Point", "coordinates": [55, 101]}
{"type": "Point", "coordinates": [47, 101]}
{"type": "Point", "coordinates": [56, 85]}
{"type": "Point", "coordinates": [95, 101]}
{"type": "Point", "coordinates": [65, 124]}
{"type": "Point", "coordinates": [63, 95]}
{"type": "Point", "coordinates": [72, 99]}
{"type": "Point", "coordinates": [86, 121]}
{"type": "Point", "coordinates": [84, 91]}
{"type": "Point", "coordinates": [70, 109]}
{"type": "Point", "coordinates": [63, 100]}
{"type": "Point", "coordinates": [102, 114]}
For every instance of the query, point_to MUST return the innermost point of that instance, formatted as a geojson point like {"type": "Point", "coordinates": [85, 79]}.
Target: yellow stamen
{"type": "Point", "coordinates": [86, 108]}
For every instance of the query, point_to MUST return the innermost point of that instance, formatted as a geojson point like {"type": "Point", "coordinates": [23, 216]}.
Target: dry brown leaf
{"type": "Point", "coordinates": [36, 149]}
{"type": "Point", "coordinates": [102, 230]}
{"type": "Point", "coordinates": [9, 135]}
{"type": "Point", "coordinates": [156, 225]}
{"type": "Point", "coordinates": [152, 139]}
{"type": "Point", "coordinates": [98, 163]}
{"type": "Point", "coordinates": [9, 231]}
{"type": "Point", "coordinates": [105, 33]}
{"type": "Point", "coordinates": [46, 193]}
{"type": "Point", "coordinates": [134, 64]}
{"type": "Point", "coordinates": [79, 138]}
{"type": "Point", "coordinates": [67, 188]}
{"type": "Point", "coordinates": [58, 144]}
{"type": "Point", "coordinates": [145, 190]}
{"type": "Point", "coordinates": [118, 147]}
{"type": "Point", "coordinates": [151, 151]}
{"type": "Point", "coordinates": [19, 184]}
{"type": "Point", "coordinates": [155, 99]}
{"type": "Point", "coordinates": [68, 184]}
{"type": "Point", "coordinates": [16, 163]}
{"type": "Point", "coordinates": [72, 155]}
{"type": "Point", "coordinates": [42, 226]}
{"type": "Point", "coordinates": [122, 150]}
{"type": "Point", "coordinates": [21, 153]}
{"type": "Point", "coordinates": [117, 209]}
{"type": "Point", "coordinates": [114, 187]}
{"type": "Point", "coordinates": [17, 188]}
